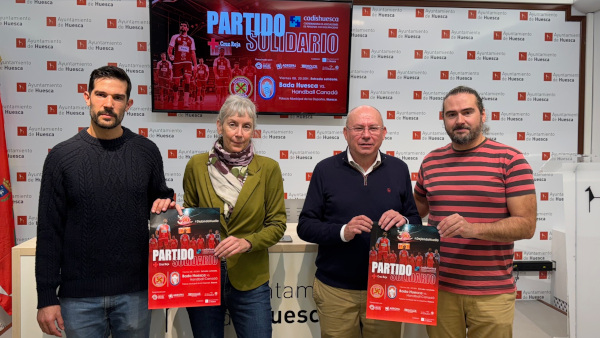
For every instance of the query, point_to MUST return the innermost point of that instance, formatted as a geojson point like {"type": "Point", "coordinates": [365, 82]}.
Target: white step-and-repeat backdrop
{"type": "Point", "coordinates": [524, 63]}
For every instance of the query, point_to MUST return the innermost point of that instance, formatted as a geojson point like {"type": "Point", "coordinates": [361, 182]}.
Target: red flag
{"type": "Point", "coordinates": [7, 224]}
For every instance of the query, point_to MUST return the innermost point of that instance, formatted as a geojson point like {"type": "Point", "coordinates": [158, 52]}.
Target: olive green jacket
{"type": "Point", "coordinates": [258, 215]}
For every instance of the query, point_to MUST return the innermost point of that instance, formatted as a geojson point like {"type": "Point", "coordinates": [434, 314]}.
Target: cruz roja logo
{"type": "Point", "coordinates": [590, 198]}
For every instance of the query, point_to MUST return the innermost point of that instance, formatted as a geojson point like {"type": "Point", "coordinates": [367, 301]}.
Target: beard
{"type": "Point", "coordinates": [467, 138]}
{"type": "Point", "coordinates": [104, 125]}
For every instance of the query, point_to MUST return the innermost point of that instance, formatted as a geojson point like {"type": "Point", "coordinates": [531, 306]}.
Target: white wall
{"type": "Point", "coordinates": [594, 87]}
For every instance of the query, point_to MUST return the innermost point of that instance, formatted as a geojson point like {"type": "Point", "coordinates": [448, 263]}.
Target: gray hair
{"type": "Point", "coordinates": [235, 104]}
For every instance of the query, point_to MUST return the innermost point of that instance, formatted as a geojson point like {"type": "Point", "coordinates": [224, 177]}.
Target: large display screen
{"type": "Point", "coordinates": [289, 57]}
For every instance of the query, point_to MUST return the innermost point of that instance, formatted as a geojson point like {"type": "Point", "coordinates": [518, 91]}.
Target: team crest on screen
{"type": "Point", "coordinates": [240, 85]}
{"type": "Point", "coordinates": [266, 87]}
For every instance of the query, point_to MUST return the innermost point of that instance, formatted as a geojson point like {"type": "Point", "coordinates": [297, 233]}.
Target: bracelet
{"type": "Point", "coordinates": [250, 248]}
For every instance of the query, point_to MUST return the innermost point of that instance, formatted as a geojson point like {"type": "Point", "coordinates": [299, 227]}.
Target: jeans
{"type": "Point", "coordinates": [126, 315]}
{"type": "Point", "coordinates": [250, 312]}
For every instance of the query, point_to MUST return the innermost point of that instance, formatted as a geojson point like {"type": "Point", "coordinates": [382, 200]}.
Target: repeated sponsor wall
{"type": "Point", "coordinates": [524, 63]}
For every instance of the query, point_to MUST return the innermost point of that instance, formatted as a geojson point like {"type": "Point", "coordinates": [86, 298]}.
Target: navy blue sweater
{"type": "Point", "coordinates": [337, 193]}
{"type": "Point", "coordinates": [95, 200]}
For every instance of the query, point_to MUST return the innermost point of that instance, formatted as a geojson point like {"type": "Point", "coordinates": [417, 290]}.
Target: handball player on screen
{"type": "Point", "coordinates": [164, 71]}
{"type": "Point", "coordinates": [201, 79]}
{"type": "Point", "coordinates": [222, 70]}
{"type": "Point", "coordinates": [182, 51]}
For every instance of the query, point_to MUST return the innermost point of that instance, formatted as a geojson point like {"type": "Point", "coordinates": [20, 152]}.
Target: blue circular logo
{"type": "Point", "coordinates": [266, 87]}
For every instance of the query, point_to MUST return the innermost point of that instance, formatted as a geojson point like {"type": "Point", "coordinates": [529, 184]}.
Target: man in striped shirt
{"type": "Point", "coordinates": [480, 195]}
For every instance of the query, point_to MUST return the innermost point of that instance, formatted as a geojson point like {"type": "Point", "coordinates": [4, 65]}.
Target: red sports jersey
{"type": "Point", "coordinates": [236, 72]}
{"type": "Point", "coordinates": [153, 244]}
{"type": "Point", "coordinates": [164, 69]}
{"type": "Point", "coordinates": [185, 241]}
{"type": "Point", "coordinates": [211, 241]}
{"type": "Point", "coordinates": [173, 243]}
{"type": "Point", "coordinates": [222, 67]}
{"type": "Point", "coordinates": [403, 257]}
{"type": "Point", "coordinates": [419, 260]}
{"type": "Point", "coordinates": [372, 255]}
{"type": "Point", "coordinates": [383, 244]}
{"type": "Point", "coordinates": [249, 72]}
{"type": "Point", "coordinates": [430, 259]}
{"type": "Point", "coordinates": [183, 46]}
{"type": "Point", "coordinates": [164, 231]}
{"type": "Point", "coordinates": [202, 72]}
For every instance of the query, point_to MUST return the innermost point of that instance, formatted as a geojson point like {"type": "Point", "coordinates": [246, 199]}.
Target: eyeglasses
{"type": "Point", "coordinates": [373, 130]}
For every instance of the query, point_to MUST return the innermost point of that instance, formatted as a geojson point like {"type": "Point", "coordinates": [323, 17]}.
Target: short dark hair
{"type": "Point", "coordinates": [109, 72]}
{"type": "Point", "coordinates": [464, 90]}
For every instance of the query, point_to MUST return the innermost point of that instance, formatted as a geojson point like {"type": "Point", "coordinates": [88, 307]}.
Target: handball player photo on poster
{"type": "Point", "coordinates": [182, 268]}
{"type": "Point", "coordinates": [403, 274]}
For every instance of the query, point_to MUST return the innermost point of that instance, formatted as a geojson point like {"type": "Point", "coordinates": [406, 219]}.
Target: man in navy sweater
{"type": "Point", "coordinates": [98, 189]}
{"type": "Point", "coordinates": [348, 192]}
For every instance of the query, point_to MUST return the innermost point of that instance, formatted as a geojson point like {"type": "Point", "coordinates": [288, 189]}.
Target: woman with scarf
{"type": "Point", "coordinates": [248, 190]}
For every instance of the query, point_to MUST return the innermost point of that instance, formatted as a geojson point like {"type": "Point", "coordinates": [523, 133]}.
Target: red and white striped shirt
{"type": "Point", "coordinates": [475, 184]}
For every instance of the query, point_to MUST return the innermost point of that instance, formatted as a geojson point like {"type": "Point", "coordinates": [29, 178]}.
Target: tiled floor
{"type": "Point", "coordinates": [534, 319]}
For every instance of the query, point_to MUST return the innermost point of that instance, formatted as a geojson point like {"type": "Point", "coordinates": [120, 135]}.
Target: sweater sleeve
{"type": "Point", "coordinates": [158, 186]}
{"type": "Point", "coordinates": [312, 226]}
{"type": "Point", "coordinates": [50, 232]}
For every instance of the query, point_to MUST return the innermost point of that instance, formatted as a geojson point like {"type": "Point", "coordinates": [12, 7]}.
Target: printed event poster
{"type": "Point", "coordinates": [182, 270]}
{"type": "Point", "coordinates": [403, 274]}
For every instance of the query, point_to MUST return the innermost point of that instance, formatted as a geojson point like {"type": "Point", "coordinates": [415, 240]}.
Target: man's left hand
{"type": "Point", "coordinates": [391, 218]}
{"type": "Point", "coordinates": [455, 225]}
{"type": "Point", "coordinates": [161, 205]}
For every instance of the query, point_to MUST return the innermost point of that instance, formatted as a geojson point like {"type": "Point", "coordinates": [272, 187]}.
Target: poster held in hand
{"type": "Point", "coordinates": [182, 268]}
{"type": "Point", "coordinates": [403, 274]}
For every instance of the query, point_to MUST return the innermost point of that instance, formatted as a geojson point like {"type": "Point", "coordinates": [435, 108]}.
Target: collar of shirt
{"type": "Point", "coordinates": [359, 168]}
